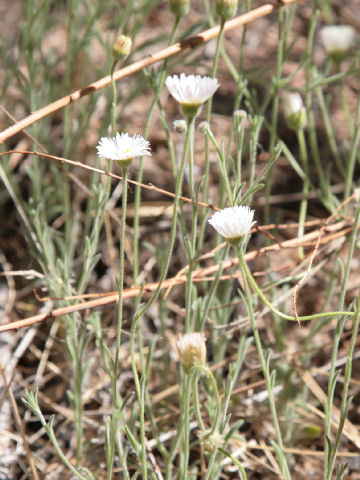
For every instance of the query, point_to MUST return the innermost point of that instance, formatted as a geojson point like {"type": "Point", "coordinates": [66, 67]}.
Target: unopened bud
{"type": "Point", "coordinates": [192, 350]}
{"type": "Point", "coordinates": [338, 41]}
{"type": "Point", "coordinates": [240, 114]}
{"type": "Point", "coordinates": [226, 8]}
{"type": "Point", "coordinates": [294, 111]}
{"type": "Point", "coordinates": [203, 127]}
{"type": "Point", "coordinates": [122, 47]}
{"type": "Point", "coordinates": [179, 7]}
{"type": "Point", "coordinates": [180, 126]}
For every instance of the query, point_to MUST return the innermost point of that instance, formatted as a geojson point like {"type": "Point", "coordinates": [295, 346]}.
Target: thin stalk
{"type": "Point", "coordinates": [141, 166]}
{"type": "Point", "coordinates": [189, 283]}
{"type": "Point", "coordinates": [337, 338]}
{"type": "Point", "coordinates": [197, 408]}
{"type": "Point", "coordinates": [114, 98]}
{"type": "Point", "coordinates": [185, 440]}
{"type": "Point", "coordinates": [207, 144]}
{"type": "Point", "coordinates": [241, 468]}
{"type": "Point", "coordinates": [283, 315]}
{"type": "Point", "coordinates": [212, 289]}
{"type": "Point", "coordinates": [350, 167]}
{"type": "Point", "coordinates": [266, 373]}
{"type": "Point", "coordinates": [78, 407]}
{"type": "Point", "coordinates": [142, 309]}
{"type": "Point", "coordinates": [115, 395]}
{"type": "Point", "coordinates": [306, 186]}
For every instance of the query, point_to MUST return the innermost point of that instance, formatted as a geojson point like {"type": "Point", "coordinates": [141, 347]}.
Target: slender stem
{"type": "Point", "coordinates": [78, 381]}
{"type": "Point", "coordinates": [213, 287]}
{"type": "Point", "coordinates": [114, 98]}
{"type": "Point", "coordinates": [337, 338]}
{"type": "Point", "coordinates": [185, 440]}
{"type": "Point", "coordinates": [197, 408]}
{"type": "Point", "coordinates": [141, 310]}
{"type": "Point", "coordinates": [263, 361]}
{"type": "Point", "coordinates": [208, 110]}
{"type": "Point", "coordinates": [115, 394]}
{"type": "Point", "coordinates": [241, 468]}
{"type": "Point", "coordinates": [350, 167]}
{"type": "Point", "coordinates": [209, 373]}
{"type": "Point", "coordinates": [141, 167]}
{"type": "Point", "coordinates": [306, 185]}
{"type": "Point", "coordinates": [281, 314]}
{"type": "Point", "coordinates": [207, 144]}
{"type": "Point", "coordinates": [192, 251]}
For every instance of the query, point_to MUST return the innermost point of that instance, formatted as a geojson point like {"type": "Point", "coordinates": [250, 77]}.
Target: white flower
{"type": "Point", "coordinates": [191, 90]}
{"type": "Point", "coordinates": [192, 350]}
{"type": "Point", "coordinates": [233, 222]}
{"type": "Point", "coordinates": [123, 148]}
{"type": "Point", "coordinates": [338, 40]}
{"type": "Point", "coordinates": [294, 111]}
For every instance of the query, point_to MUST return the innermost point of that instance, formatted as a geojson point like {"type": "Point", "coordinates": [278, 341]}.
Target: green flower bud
{"type": "Point", "coordinates": [226, 9]}
{"type": "Point", "coordinates": [122, 47]}
{"type": "Point", "coordinates": [294, 111]}
{"type": "Point", "coordinates": [179, 7]}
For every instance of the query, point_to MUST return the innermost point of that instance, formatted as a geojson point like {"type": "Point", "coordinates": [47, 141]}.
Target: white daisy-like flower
{"type": "Point", "coordinates": [123, 148]}
{"type": "Point", "coordinates": [338, 40]}
{"type": "Point", "coordinates": [192, 89]}
{"type": "Point", "coordinates": [233, 222]}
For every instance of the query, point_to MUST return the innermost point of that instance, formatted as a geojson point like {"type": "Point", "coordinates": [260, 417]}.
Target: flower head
{"type": "Point", "coordinates": [233, 223]}
{"type": "Point", "coordinates": [192, 350]}
{"type": "Point", "coordinates": [211, 441]}
{"type": "Point", "coordinates": [338, 41]}
{"type": "Point", "coordinates": [122, 47]}
{"type": "Point", "coordinates": [123, 148]}
{"type": "Point", "coordinates": [180, 126]}
{"type": "Point", "coordinates": [226, 8]}
{"type": "Point", "coordinates": [179, 7]}
{"type": "Point", "coordinates": [191, 91]}
{"type": "Point", "coordinates": [294, 111]}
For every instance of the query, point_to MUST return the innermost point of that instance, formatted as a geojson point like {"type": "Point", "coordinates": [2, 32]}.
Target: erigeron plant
{"type": "Point", "coordinates": [67, 239]}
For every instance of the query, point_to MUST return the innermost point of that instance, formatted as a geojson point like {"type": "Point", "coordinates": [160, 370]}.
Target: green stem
{"type": "Point", "coordinates": [78, 381]}
{"type": "Point", "coordinates": [185, 439]}
{"type": "Point", "coordinates": [207, 144]}
{"type": "Point", "coordinates": [241, 468]}
{"type": "Point", "coordinates": [263, 361]}
{"type": "Point", "coordinates": [197, 408]}
{"type": "Point", "coordinates": [142, 309]}
{"type": "Point", "coordinates": [141, 167]}
{"type": "Point", "coordinates": [350, 167]}
{"type": "Point", "coordinates": [114, 98]}
{"type": "Point", "coordinates": [212, 289]}
{"type": "Point", "coordinates": [303, 205]}
{"type": "Point", "coordinates": [281, 314]}
{"type": "Point", "coordinates": [115, 394]}
{"type": "Point", "coordinates": [337, 339]}
{"type": "Point", "coordinates": [191, 253]}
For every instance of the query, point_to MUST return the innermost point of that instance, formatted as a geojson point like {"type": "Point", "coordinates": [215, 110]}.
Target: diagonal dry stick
{"type": "Point", "coordinates": [174, 49]}
{"type": "Point", "coordinates": [337, 230]}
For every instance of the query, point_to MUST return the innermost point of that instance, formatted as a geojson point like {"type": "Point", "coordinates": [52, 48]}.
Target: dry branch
{"type": "Point", "coordinates": [309, 240]}
{"type": "Point", "coordinates": [170, 51]}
